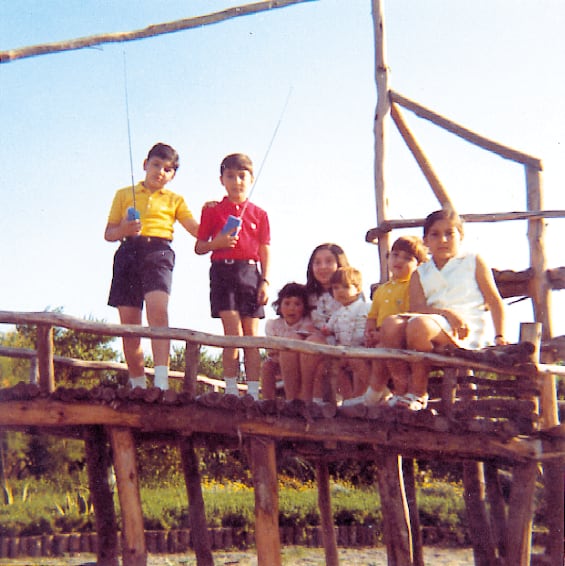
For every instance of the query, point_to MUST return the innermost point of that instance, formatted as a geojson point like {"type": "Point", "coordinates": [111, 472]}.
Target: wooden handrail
{"type": "Point", "coordinates": [274, 343]}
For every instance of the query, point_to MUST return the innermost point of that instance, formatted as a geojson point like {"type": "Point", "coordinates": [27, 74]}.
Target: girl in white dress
{"type": "Point", "coordinates": [450, 297]}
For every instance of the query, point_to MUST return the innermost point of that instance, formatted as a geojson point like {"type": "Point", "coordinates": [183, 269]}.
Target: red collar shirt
{"type": "Point", "coordinates": [254, 233]}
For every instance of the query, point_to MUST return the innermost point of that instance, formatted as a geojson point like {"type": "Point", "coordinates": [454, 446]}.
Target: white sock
{"type": "Point", "coordinates": [231, 386]}
{"type": "Point", "coordinates": [161, 377]}
{"type": "Point", "coordinates": [253, 389]}
{"type": "Point", "coordinates": [138, 382]}
{"type": "Point", "coordinates": [318, 400]}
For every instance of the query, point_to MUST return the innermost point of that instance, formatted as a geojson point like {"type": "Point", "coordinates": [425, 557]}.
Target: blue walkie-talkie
{"type": "Point", "coordinates": [133, 214]}
{"type": "Point", "coordinates": [232, 225]}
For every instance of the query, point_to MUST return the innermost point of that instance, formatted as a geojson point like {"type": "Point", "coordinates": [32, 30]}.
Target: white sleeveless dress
{"type": "Point", "coordinates": [455, 287]}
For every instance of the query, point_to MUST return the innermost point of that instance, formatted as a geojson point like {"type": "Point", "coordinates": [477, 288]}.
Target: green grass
{"type": "Point", "coordinates": [41, 508]}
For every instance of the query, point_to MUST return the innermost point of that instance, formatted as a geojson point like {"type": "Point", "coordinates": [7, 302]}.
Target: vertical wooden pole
{"type": "Point", "coordinates": [264, 471]}
{"type": "Point", "coordinates": [45, 358]}
{"type": "Point", "coordinates": [554, 484]}
{"type": "Point", "coordinates": [326, 515]}
{"type": "Point", "coordinates": [98, 466]}
{"type": "Point", "coordinates": [410, 487]}
{"type": "Point", "coordinates": [539, 286]}
{"type": "Point", "coordinates": [479, 528]}
{"type": "Point", "coordinates": [497, 508]}
{"type": "Point", "coordinates": [396, 514]}
{"type": "Point", "coordinates": [381, 114]}
{"type": "Point", "coordinates": [520, 514]}
{"type": "Point", "coordinates": [134, 550]}
{"type": "Point", "coordinates": [196, 510]}
{"type": "Point", "coordinates": [553, 475]}
{"type": "Point", "coordinates": [191, 359]}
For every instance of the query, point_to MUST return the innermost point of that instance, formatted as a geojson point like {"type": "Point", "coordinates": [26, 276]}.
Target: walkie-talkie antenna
{"type": "Point", "coordinates": [267, 152]}
{"type": "Point", "coordinates": [132, 211]}
{"type": "Point", "coordinates": [233, 223]}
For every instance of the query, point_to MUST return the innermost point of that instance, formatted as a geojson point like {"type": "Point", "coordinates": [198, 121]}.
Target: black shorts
{"type": "Point", "coordinates": [233, 287]}
{"type": "Point", "coordinates": [141, 265]}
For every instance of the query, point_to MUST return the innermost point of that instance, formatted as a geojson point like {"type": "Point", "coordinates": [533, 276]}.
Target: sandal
{"type": "Point", "coordinates": [412, 402]}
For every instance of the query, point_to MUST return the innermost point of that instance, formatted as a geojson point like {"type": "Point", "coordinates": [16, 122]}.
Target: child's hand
{"type": "Point", "coordinates": [325, 331]}
{"type": "Point", "coordinates": [129, 228]}
{"type": "Point", "coordinates": [225, 241]}
{"type": "Point", "coordinates": [263, 294]}
{"type": "Point", "coordinates": [458, 325]}
{"type": "Point", "coordinates": [372, 337]}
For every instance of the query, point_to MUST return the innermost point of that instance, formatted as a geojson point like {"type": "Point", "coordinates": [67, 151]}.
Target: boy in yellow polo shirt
{"type": "Point", "coordinates": [143, 264]}
{"type": "Point", "coordinates": [390, 298]}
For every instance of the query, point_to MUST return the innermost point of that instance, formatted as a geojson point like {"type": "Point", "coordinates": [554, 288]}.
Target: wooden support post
{"type": "Point", "coordinates": [264, 471]}
{"type": "Point", "coordinates": [134, 550]}
{"type": "Point", "coordinates": [45, 358]}
{"type": "Point", "coordinates": [497, 507]}
{"type": "Point", "coordinates": [520, 513]}
{"type": "Point", "coordinates": [191, 361]}
{"type": "Point", "coordinates": [420, 157]}
{"type": "Point", "coordinates": [98, 464]}
{"type": "Point", "coordinates": [326, 514]}
{"type": "Point", "coordinates": [200, 536]}
{"type": "Point", "coordinates": [396, 514]}
{"type": "Point", "coordinates": [554, 483]}
{"type": "Point", "coordinates": [479, 529]}
{"type": "Point", "coordinates": [381, 115]}
{"type": "Point", "coordinates": [410, 488]}
{"type": "Point", "coordinates": [539, 287]}
{"type": "Point", "coordinates": [448, 390]}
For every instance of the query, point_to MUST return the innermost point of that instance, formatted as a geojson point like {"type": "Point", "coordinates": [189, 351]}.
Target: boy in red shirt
{"type": "Point", "coordinates": [240, 266]}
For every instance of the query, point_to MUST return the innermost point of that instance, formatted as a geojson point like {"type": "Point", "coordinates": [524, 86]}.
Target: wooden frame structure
{"type": "Point", "coordinates": [523, 442]}
{"type": "Point", "coordinates": [486, 421]}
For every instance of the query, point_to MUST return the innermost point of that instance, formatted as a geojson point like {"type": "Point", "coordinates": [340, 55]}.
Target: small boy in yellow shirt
{"type": "Point", "coordinates": [143, 264]}
{"type": "Point", "coordinates": [389, 298]}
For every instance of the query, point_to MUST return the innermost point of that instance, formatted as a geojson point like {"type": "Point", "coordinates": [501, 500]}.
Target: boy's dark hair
{"type": "Point", "coordinates": [312, 285]}
{"type": "Point", "coordinates": [412, 245]}
{"type": "Point", "coordinates": [347, 276]}
{"type": "Point", "coordinates": [165, 152]}
{"type": "Point", "coordinates": [237, 161]}
{"type": "Point", "coordinates": [443, 214]}
{"type": "Point", "coordinates": [292, 290]}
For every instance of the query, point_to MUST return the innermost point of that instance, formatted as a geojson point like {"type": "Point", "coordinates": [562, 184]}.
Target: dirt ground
{"type": "Point", "coordinates": [292, 556]}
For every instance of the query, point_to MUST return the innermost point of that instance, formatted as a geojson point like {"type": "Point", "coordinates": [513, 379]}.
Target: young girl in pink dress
{"type": "Point", "coordinates": [293, 322]}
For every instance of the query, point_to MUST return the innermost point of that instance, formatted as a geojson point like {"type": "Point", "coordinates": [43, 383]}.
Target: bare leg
{"type": "Point", "coordinates": [393, 335]}
{"type": "Point", "coordinates": [252, 357]}
{"type": "Point", "coordinates": [380, 375]}
{"type": "Point", "coordinates": [311, 371]}
{"type": "Point", "coordinates": [132, 345]}
{"type": "Point", "coordinates": [156, 304]}
{"type": "Point", "coordinates": [230, 356]}
{"type": "Point", "coordinates": [422, 334]}
{"type": "Point", "coordinates": [360, 369]}
{"type": "Point", "coordinates": [290, 371]}
{"type": "Point", "coordinates": [269, 372]}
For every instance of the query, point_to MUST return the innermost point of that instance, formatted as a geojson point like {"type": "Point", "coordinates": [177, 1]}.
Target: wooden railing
{"type": "Point", "coordinates": [459, 362]}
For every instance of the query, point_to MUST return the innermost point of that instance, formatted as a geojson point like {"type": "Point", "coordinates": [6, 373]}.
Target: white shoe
{"type": "Point", "coordinates": [370, 398]}
{"type": "Point", "coordinates": [412, 402]}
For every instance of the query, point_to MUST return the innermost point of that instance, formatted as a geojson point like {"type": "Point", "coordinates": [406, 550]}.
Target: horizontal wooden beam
{"type": "Point", "coordinates": [388, 225]}
{"type": "Point", "coordinates": [150, 31]}
{"type": "Point", "coordinates": [195, 418]}
{"type": "Point", "coordinates": [465, 133]}
{"type": "Point", "coordinates": [274, 343]}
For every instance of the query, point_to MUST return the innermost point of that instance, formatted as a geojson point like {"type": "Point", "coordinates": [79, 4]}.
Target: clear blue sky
{"type": "Point", "coordinates": [495, 66]}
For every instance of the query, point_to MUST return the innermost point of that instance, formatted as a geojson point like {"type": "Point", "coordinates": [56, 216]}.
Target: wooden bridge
{"type": "Point", "coordinates": [492, 408]}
